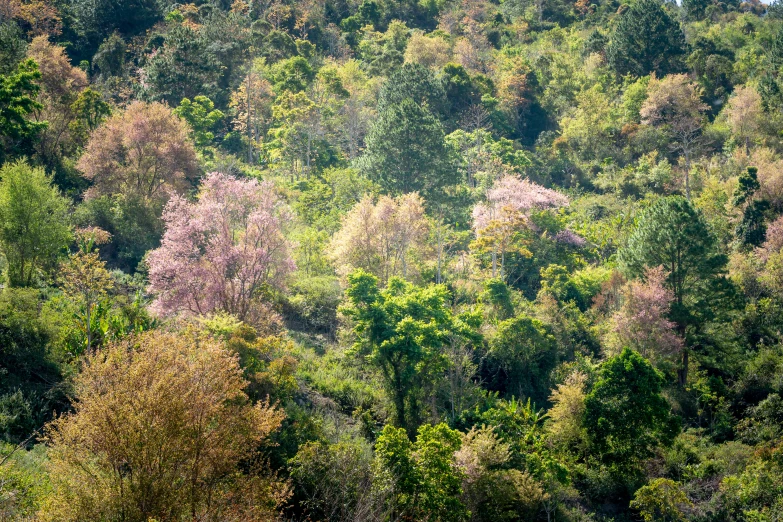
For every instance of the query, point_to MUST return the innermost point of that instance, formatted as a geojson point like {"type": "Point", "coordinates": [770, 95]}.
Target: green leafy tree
{"type": "Point", "coordinates": [29, 377]}
{"type": "Point", "coordinates": [184, 67]}
{"type": "Point", "coordinates": [661, 500]}
{"type": "Point", "coordinates": [756, 492]}
{"type": "Point", "coordinates": [382, 52]}
{"type": "Point", "coordinates": [674, 106]}
{"type": "Point", "coordinates": [18, 92]}
{"type": "Point", "coordinates": [202, 117]}
{"type": "Point", "coordinates": [517, 423]}
{"type": "Point", "coordinates": [626, 416]}
{"type": "Point", "coordinates": [34, 223]}
{"type": "Point", "coordinates": [423, 475]}
{"type": "Point", "coordinates": [673, 234]}
{"type": "Point", "coordinates": [89, 111]}
{"type": "Point", "coordinates": [293, 74]}
{"type": "Point", "coordinates": [298, 140]}
{"type": "Point", "coordinates": [402, 330]}
{"type": "Point", "coordinates": [521, 356]}
{"type": "Point", "coordinates": [407, 152]}
{"type": "Point", "coordinates": [86, 283]}
{"type": "Point", "coordinates": [646, 39]}
{"type": "Point", "coordinates": [751, 230]}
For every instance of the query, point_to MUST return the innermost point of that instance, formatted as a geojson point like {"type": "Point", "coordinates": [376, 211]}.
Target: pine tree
{"type": "Point", "coordinates": [646, 40]}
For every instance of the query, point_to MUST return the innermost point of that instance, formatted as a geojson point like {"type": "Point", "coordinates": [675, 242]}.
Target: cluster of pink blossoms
{"type": "Point", "coordinates": [221, 252]}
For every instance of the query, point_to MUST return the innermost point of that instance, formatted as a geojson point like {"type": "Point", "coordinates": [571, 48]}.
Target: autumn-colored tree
{"type": "Point", "coordinates": [59, 78]}
{"type": "Point", "coordinates": [160, 427]}
{"type": "Point", "coordinates": [773, 243]}
{"type": "Point", "coordinates": [501, 236]}
{"type": "Point", "coordinates": [642, 322]}
{"type": "Point", "coordinates": [61, 84]}
{"type": "Point", "coordinates": [771, 255]}
{"type": "Point", "coordinates": [428, 51]}
{"type": "Point", "coordinates": [357, 110]}
{"type": "Point", "coordinates": [38, 17]}
{"type": "Point", "coordinates": [492, 491]}
{"type": "Point", "coordinates": [674, 104]}
{"type": "Point", "coordinates": [745, 114]}
{"type": "Point", "coordinates": [222, 252]}
{"type": "Point", "coordinates": [769, 172]}
{"type": "Point", "coordinates": [143, 152]}
{"type": "Point", "coordinates": [515, 83]}
{"type": "Point", "coordinates": [387, 238]}
{"type": "Point", "coordinates": [564, 418]}
{"type": "Point", "coordinates": [252, 102]}
{"type": "Point", "coordinates": [308, 15]}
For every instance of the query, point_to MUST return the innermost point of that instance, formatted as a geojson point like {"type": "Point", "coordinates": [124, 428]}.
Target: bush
{"type": "Point", "coordinates": [313, 303]}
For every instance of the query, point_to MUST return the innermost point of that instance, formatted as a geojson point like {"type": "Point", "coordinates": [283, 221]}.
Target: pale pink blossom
{"type": "Point", "coordinates": [642, 323]}
{"type": "Point", "coordinates": [517, 195]}
{"type": "Point", "coordinates": [774, 240]}
{"type": "Point", "coordinates": [570, 238]}
{"type": "Point", "coordinates": [221, 252]}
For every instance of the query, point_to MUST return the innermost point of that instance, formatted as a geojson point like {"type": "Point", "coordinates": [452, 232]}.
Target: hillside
{"type": "Point", "coordinates": [391, 260]}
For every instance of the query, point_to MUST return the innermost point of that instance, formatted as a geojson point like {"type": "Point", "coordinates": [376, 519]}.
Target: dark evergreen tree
{"type": "Point", "coordinates": [183, 68]}
{"type": "Point", "coordinates": [406, 151]}
{"type": "Point", "coordinates": [12, 47]}
{"type": "Point", "coordinates": [673, 234]}
{"type": "Point", "coordinates": [646, 39]}
{"type": "Point", "coordinates": [751, 230]}
{"type": "Point", "coordinates": [95, 20]}
{"type": "Point", "coordinates": [415, 82]}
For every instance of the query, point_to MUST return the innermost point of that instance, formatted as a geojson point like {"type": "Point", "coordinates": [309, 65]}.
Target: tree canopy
{"type": "Point", "coordinates": [391, 260]}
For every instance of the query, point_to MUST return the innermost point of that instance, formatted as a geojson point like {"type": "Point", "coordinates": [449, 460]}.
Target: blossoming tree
{"type": "Point", "coordinates": [500, 222]}
{"type": "Point", "coordinates": [222, 252]}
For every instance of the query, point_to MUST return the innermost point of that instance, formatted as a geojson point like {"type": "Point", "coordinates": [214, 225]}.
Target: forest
{"type": "Point", "coordinates": [391, 261]}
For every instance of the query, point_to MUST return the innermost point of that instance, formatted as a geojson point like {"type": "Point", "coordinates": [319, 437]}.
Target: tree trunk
{"type": "Point", "coordinates": [682, 373]}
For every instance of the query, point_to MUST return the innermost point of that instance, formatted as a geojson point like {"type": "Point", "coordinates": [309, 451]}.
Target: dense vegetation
{"type": "Point", "coordinates": [391, 260]}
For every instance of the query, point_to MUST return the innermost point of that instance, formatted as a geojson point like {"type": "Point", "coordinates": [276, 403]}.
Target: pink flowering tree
{"type": "Point", "coordinates": [642, 323]}
{"type": "Point", "coordinates": [500, 222]}
{"type": "Point", "coordinates": [774, 240]}
{"type": "Point", "coordinates": [517, 195]}
{"type": "Point", "coordinates": [221, 252]}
